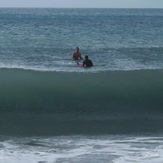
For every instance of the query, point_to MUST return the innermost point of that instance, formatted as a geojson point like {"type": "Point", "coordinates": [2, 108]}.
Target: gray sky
{"type": "Point", "coordinates": [83, 3]}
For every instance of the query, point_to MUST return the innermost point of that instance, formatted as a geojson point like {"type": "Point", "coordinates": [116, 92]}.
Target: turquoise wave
{"type": "Point", "coordinates": [34, 91]}
{"type": "Point", "coordinates": [33, 102]}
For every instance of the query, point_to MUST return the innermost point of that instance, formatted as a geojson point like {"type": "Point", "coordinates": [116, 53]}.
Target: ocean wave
{"type": "Point", "coordinates": [33, 100]}
{"type": "Point", "coordinates": [37, 89]}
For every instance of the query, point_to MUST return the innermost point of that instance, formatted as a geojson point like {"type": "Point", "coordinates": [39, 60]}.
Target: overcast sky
{"type": "Point", "coordinates": [83, 3]}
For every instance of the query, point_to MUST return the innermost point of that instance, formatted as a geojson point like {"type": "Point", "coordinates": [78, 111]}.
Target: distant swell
{"type": "Point", "coordinates": [33, 102]}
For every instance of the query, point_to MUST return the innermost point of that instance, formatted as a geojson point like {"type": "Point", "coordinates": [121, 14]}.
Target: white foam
{"type": "Point", "coordinates": [117, 149]}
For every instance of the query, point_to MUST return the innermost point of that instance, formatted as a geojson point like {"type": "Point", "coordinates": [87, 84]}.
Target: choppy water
{"type": "Point", "coordinates": [115, 39]}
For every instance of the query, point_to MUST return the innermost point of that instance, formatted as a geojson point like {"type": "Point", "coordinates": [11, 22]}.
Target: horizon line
{"type": "Point", "coordinates": [88, 7]}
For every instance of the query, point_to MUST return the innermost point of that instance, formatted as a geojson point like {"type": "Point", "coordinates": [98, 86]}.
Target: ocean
{"type": "Point", "coordinates": [53, 111]}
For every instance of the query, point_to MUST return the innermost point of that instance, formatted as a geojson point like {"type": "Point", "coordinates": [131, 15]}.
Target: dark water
{"type": "Point", "coordinates": [85, 103]}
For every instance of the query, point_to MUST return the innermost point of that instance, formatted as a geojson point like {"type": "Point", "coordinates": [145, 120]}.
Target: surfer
{"type": "Point", "coordinates": [76, 55]}
{"type": "Point", "coordinates": [87, 62]}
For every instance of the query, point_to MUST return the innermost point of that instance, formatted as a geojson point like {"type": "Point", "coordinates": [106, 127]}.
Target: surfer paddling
{"type": "Point", "coordinates": [76, 55]}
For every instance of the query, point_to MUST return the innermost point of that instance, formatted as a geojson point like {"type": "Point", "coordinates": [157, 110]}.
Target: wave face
{"type": "Point", "coordinates": [54, 103]}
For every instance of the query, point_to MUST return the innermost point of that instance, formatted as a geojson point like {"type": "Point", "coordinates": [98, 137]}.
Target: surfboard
{"type": "Point", "coordinates": [79, 64]}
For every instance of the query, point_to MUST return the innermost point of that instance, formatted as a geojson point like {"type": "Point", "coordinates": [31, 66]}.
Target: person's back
{"type": "Point", "coordinates": [87, 62]}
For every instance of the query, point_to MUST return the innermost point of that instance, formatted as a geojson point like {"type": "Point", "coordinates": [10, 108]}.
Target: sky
{"type": "Point", "coordinates": [83, 3]}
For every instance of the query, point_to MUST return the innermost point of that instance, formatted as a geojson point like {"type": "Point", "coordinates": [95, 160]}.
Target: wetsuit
{"type": "Point", "coordinates": [88, 63]}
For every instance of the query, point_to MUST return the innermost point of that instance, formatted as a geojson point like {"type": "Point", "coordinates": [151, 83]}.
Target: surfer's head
{"type": "Point", "coordinates": [86, 56]}
{"type": "Point", "coordinates": [77, 49]}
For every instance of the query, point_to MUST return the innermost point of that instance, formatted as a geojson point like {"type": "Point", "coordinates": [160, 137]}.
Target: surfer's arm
{"type": "Point", "coordinates": [73, 56]}
{"type": "Point", "coordinates": [81, 58]}
{"type": "Point", "coordinates": [83, 63]}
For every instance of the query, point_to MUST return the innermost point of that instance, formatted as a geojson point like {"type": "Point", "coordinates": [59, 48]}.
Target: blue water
{"type": "Point", "coordinates": [51, 110]}
{"type": "Point", "coordinates": [115, 39]}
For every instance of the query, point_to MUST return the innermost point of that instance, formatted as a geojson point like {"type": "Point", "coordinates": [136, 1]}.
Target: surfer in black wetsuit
{"type": "Point", "coordinates": [87, 62]}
